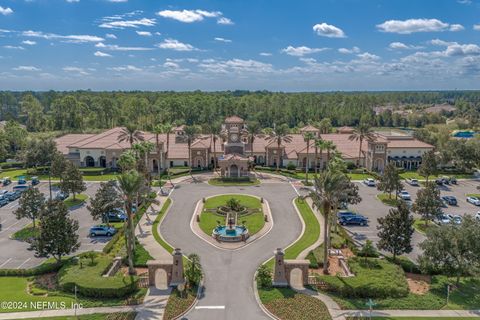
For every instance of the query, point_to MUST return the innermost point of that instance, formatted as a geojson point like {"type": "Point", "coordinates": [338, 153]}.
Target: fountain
{"type": "Point", "coordinates": [231, 231]}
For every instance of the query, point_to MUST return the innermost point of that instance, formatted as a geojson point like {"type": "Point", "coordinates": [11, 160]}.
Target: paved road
{"type": "Point", "coordinates": [15, 254]}
{"type": "Point", "coordinates": [228, 290]}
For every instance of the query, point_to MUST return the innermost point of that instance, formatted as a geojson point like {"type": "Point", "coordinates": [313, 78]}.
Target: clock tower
{"type": "Point", "coordinates": [234, 128]}
{"type": "Point", "coordinates": [234, 164]}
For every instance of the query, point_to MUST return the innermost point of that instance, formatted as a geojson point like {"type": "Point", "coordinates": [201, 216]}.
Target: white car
{"type": "Point", "coordinates": [404, 195]}
{"type": "Point", "coordinates": [444, 219]}
{"type": "Point", "coordinates": [369, 182]}
{"type": "Point", "coordinates": [413, 182]}
{"type": "Point", "coordinates": [474, 200]}
{"type": "Point", "coordinates": [456, 219]}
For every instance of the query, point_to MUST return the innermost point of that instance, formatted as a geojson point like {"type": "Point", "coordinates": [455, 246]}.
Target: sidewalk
{"type": "Point", "coordinates": [66, 312]}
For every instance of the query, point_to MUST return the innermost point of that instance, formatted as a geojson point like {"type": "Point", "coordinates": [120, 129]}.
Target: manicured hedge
{"type": "Point", "coordinates": [46, 267]}
{"type": "Point", "coordinates": [11, 165]}
{"type": "Point", "coordinates": [375, 279]}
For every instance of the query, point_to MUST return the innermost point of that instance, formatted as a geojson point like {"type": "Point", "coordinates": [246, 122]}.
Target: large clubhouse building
{"type": "Point", "coordinates": [233, 149]}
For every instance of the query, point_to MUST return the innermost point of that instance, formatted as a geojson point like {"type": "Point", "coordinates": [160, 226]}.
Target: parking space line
{"type": "Point", "coordinates": [1, 265]}
{"type": "Point", "coordinates": [24, 263]}
{"type": "Point", "coordinates": [10, 226]}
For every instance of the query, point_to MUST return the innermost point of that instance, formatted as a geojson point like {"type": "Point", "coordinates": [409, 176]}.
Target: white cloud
{"type": "Point", "coordinates": [68, 38]}
{"type": "Point", "coordinates": [349, 51]}
{"type": "Point", "coordinates": [176, 45]}
{"type": "Point", "coordinates": [5, 11]}
{"type": "Point", "coordinates": [14, 47]}
{"type": "Point", "coordinates": [27, 68]}
{"type": "Point", "coordinates": [402, 46]}
{"type": "Point", "coordinates": [29, 42]}
{"type": "Point", "coordinates": [110, 36]}
{"type": "Point", "coordinates": [72, 1]}
{"type": "Point", "coordinates": [114, 47]}
{"type": "Point", "coordinates": [238, 66]}
{"type": "Point", "coordinates": [122, 24]}
{"type": "Point", "coordinates": [464, 1]}
{"type": "Point", "coordinates": [126, 68]}
{"type": "Point", "coordinates": [417, 25]}
{"type": "Point", "coordinates": [101, 54]}
{"type": "Point", "coordinates": [301, 51]}
{"type": "Point", "coordinates": [476, 27]}
{"type": "Point", "coordinates": [326, 30]}
{"type": "Point", "coordinates": [462, 50]}
{"type": "Point", "coordinates": [190, 16]}
{"type": "Point", "coordinates": [222, 39]}
{"type": "Point", "coordinates": [76, 70]}
{"type": "Point", "coordinates": [265, 54]}
{"type": "Point", "coordinates": [144, 33]}
{"type": "Point", "coordinates": [438, 42]}
{"type": "Point", "coordinates": [225, 21]}
{"type": "Point", "coordinates": [368, 56]}
{"type": "Point", "coordinates": [171, 65]}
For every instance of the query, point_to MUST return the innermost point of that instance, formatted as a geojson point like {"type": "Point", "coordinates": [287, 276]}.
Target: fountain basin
{"type": "Point", "coordinates": [234, 234]}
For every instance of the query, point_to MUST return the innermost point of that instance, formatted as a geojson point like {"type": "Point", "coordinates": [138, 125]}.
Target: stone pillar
{"type": "Point", "coordinates": [279, 277]}
{"type": "Point", "coordinates": [177, 269]}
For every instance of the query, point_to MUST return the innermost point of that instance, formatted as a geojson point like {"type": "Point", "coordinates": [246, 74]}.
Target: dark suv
{"type": "Point", "coordinates": [450, 200]}
{"type": "Point", "coordinates": [358, 220]}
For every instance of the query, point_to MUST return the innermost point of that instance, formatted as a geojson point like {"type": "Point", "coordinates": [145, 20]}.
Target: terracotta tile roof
{"type": "Point", "coordinates": [234, 119]}
{"type": "Point", "coordinates": [68, 139]}
{"type": "Point", "coordinates": [408, 143]}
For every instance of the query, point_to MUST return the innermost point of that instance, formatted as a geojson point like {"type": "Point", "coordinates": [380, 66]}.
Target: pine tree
{"type": "Point", "coordinates": [72, 180]}
{"type": "Point", "coordinates": [428, 203]}
{"type": "Point", "coordinates": [396, 230]}
{"type": "Point", "coordinates": [31, 204]}
{"type": "Point", "coordinates": [390, 180]}
{"type": "Point", "coordinates": [57, 236]}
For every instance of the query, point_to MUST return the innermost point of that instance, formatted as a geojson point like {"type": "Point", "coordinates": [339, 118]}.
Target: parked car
{"type": "Point", "coordinates": [21, 188]}
{"type": "Point", "coordinates": [35, 181]}
{"type": "Point", "coordinates": [116, 216]}
{"type": "Point", "coordinates": [61, 195]}
{"type": "Point", "coordinates": [22, 180]}
{"type": "Point", "coordinates": [456, 219]}
{"type": "Point", "coordinates": [345, 214]}
{"type": "Point", "coordinates": [2, 192]}
{"type": "Point", "coordinates": [477, 216]}
{"type": "Point", "coordinates": [358, 219]}
{"type": "Point", "coordinates": [404, 195]}
{"type": "Point", "coordinates": [474, 200]}
{"type": "Point", "coordinates": [450, 200]}
{"type": "Point", "coordinates": [413, 182]}
{"type": "Point", "coordinates": [12, 196]}
{"type": "Point", "coordinates": [369, 182]}
{"type": "Point", "coordinates": [102, 231]}
{"type": "Point", "coordinates": [444, 219]}
{"type": "Point", "coordinates": [6, 181]}
{"type": "Point", "coordinates": [3, 201]}
{"type": "Point", "coordinates": [439, 182]}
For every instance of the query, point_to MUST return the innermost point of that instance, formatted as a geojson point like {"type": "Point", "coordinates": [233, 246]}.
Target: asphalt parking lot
{"type": "Point", "coordinates": [14, 254]}
{"type": "Point", "coordinates": [373, 208]}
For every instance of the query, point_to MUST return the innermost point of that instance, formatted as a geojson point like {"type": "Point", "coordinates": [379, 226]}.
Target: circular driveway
{"type": "Point", "coordinates": [228, 284]}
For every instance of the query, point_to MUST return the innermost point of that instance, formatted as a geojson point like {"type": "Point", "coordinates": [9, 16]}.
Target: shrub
{"type": "Point", "coordinates": [46, 267]}
{"type": "Point", "coordinates": [313, 260]}
{"type": "Point", "coordinates": [264, 277]}
{"type": "Point", "coordinates": [291, 166]}
{"type": "Point", "coordinates": [406, 264]}
{"type": "Point", "coordinates": [368, 250]}
{"type": "Point", "coordinates": [351, 165]}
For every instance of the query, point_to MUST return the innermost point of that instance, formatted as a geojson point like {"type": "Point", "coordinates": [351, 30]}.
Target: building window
{"type": "Point", "coordinates": [185, 163]}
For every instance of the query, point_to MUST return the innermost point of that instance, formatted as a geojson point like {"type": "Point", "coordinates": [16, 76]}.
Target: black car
{"type": "Point", "coordinates": [450, 200]}
{"type": "Point", "coordinates": [61, 196]}
{"type": "Point", "coordinates": [345, 214]}
{"type": "Point", "coordinates": [12, 196]}
{"type": "Point", "coordinates": [358, 219]}
{"type": "Point", "coordinates": [117, 216]}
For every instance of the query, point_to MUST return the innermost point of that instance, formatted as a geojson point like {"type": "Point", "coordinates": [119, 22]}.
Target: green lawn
{"type": "Point", "coordinates": [477, 195]}
{"type": "Point", "coordinates": [79, 199]}
{"type": "Point", "coordinates": [26, 233]}
{"type": "Point", "coordinates": [359, 176]}
{"type": "Point", "coordinates": [387, 199]}
{"type": "Point", "coordinates": [179, 303]}
{"type": "Point", "coordinates": [289, 305]}
{"type": "Point", "coordinates": [254, 220]}
{"type": "Point", "coordinates": [15, 289]}
{"type": "Point", "coordinates": [95, 316]}
{"type": "Point", "coordinates": [221, 182]}
{"type": "Point", "coordinates": [155, 226]}
{"type": "Point", "coordinates": [415, 175]}
{"type": "Point", "coordinates": [419, 225]}
{"type": "Point", "coordinates": [14, 174]}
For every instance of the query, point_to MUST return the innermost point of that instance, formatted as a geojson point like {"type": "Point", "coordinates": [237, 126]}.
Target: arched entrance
{"type": "Point", "coordinates": [102, 161]}
{"type": "Point", "coordinates": [198, 162]}
{"type": "Point", "coordinates": [296, 278]}
{"type": "Point", "coordinates": [234, 171]}
{"type": "Point", "coordinates": [161, 279]}
{"type": "Point", "coordinates": [155, 165]}
{"type": "Point", "coordinates": [89, 161]}
{"type": "Point", "coordinates": [379, 165]}
{"type": "Point", "coordinates": [260, 160]}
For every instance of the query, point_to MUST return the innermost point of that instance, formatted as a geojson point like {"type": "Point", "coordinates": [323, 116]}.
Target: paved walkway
{"type": "Point", "coordinates": [65, 312]}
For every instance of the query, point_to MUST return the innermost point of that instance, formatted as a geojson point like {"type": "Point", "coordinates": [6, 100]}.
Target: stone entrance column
{"type": "Point", "coordinates": [177, 269]}
{"type": "Point", "coordinates": [279, 277]}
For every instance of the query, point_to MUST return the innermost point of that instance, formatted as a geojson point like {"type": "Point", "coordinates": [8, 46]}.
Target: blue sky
{"type": "Point", "coordinates": [276, 45]}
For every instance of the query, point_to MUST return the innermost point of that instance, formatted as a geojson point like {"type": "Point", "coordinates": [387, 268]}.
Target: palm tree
{"type": "Point", "coordinates": [131, 135]}
{"type": "Point", "coordinates": [331, 188]}
{"type": "Point", "coordinates": [167, 128]}
{"type": "Point", "coordinates": [279, 135]}
{"type": "Point", "coordinates": [157, 130]}
{"type": "Point", "coordinates": [215, 129]}
{"type": "Point", "coordinates": [191, 133]}
{"type": "Point", "coordinates": [329, 147]}
{"type": "Point", "coordinates": [129, 185]}
{"type": "Point", "coordinates": [307, 137]}
{"type": "Point", "coordinates": [254, 130]}
{"type": "Point", "coordinates": [361, 133]}
{"type": "Point", "coordinates": [319, 145]}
